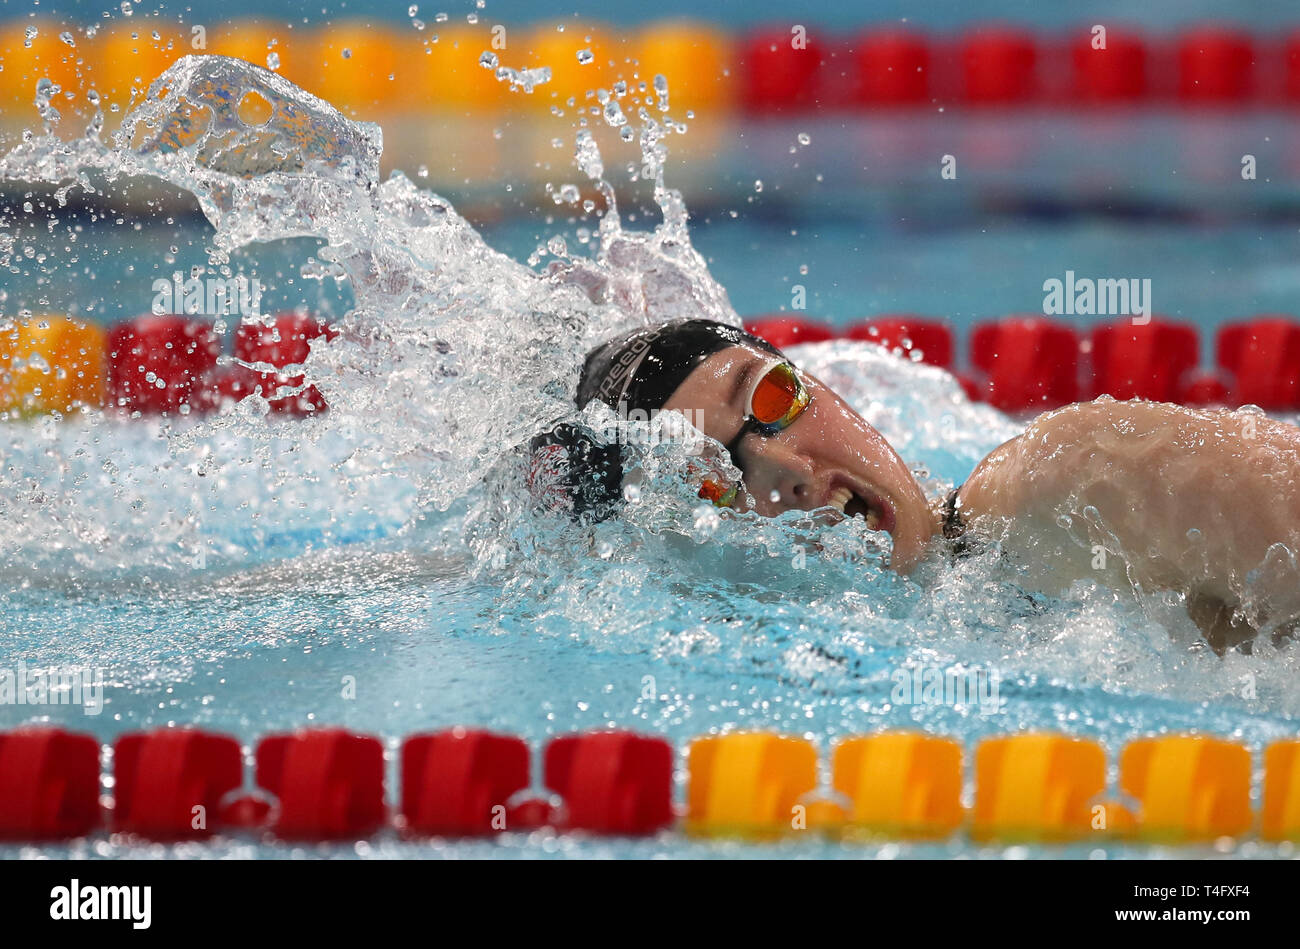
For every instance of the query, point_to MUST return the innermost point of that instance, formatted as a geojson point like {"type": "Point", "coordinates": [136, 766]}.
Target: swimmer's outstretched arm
{"type": "Point", "coordinates": [1154, 496]}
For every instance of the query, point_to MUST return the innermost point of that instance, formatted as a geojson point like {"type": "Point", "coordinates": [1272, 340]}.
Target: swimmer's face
{"type": "Point", "coordinates": [827, 457]}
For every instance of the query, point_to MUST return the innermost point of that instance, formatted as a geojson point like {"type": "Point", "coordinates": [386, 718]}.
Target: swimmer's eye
{"type": "Point", "coordinates": [779, 397]}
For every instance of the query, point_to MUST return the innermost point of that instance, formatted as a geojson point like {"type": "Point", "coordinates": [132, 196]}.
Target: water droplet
{"type": "Point", "coordinates": [706, 519]}
{"type": "Point", "coordinates": [272, 60]}
{"type": "Point", "coordinates": [804, 138]}
{"type": "Point", "coordinates": [585, 57]}
{"type": "Point", "coordinates": [661, 90]}
{"type": "Point", "coordinates": [347, 53]}
{"type": "Point", "coordinates": [758, 185]}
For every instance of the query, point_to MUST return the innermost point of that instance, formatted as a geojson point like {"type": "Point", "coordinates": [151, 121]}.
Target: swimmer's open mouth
{"type": "Point", "coordinates": [876, 511]}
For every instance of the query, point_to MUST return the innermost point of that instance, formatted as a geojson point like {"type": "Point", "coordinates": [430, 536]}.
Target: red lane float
{"type": "Point", "coordinates": [999, 67]}
{"type": "Point", "coordinates": [168, 784]}
{"type": "Point", "coordinates": [778, 75]}
{"type": "Point", "coordinates": [329, 782]}
{"type": "Point", "coordinates": [1291, 68]}
{"type": "Point", "coordinates": [893, 68]}
{"type": "Point", "coordinates": [459, 782]}
{"type": "Point", "coordinates": [155, 363]}
{"type": "Point", "coordinates": [612, 782]}
{"type": "Point", "coordinates": [1263, 356]}
{"type": "Point", "coordinates": [1202, 389]}
{"type": "Point", "coordinates": [49, 784]}
{"type": "Point", "coordinates": [1143, 362]}
{"type": "Point", "coordinates": [931, 339]}
{"type": "Point", "coordinates": [1115, 74]}
{"type": "Point", "coordinates": [782, 331]}
{"type": "Point", "coordinates": [1215, 65]}
{"type": "Point", "coordinates": [1030, 363]}
{"type": "Point", "coordinates": [285, 341]}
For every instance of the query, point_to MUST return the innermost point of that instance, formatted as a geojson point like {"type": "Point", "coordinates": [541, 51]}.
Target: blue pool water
{"type": "Point", "coordinates": [231, 573]}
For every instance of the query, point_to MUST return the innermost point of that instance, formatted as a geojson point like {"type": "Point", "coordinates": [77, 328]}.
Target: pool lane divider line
{"type": "Point", "coordinates": [327, 784]}
{"type": "Point", "coordinates": [170, 365]}
{"type": "Point", "coordinates": [374, 69]}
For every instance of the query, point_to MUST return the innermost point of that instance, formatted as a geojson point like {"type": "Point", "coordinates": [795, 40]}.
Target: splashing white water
{"type": "Point", "coordinates": [452, 353]}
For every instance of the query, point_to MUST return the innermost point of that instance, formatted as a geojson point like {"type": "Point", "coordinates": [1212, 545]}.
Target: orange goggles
{"type": "Point", "coordinates": [777, 399]}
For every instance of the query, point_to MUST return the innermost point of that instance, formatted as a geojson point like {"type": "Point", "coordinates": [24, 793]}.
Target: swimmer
{"type": "Point", "coordinates": [1138, 495]}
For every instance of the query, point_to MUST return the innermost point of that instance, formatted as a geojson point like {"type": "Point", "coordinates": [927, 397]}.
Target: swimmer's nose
{"type": "Point", "coordinates": [779, 475]}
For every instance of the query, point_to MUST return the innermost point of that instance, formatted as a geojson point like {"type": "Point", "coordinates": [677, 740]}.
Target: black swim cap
{"type": "Point", "coordinates": [643, 369]}
{"type": "Point", "coordinates": [639, 370]}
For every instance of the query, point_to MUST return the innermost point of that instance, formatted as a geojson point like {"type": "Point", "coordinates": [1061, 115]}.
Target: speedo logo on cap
{"type": "Point", "coordinates": [623, 370]}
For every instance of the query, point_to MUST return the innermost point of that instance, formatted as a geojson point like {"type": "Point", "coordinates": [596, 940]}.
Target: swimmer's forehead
{"type": "Point", "coordinates": [724, 378]}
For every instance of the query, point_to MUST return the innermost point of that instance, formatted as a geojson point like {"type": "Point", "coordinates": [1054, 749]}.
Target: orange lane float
{"type": "Point", "coordinates": [583, 59]}
{"type": "Point", "coordinates": [31, 50]}
{"type": "Point", "coordinates": [1280, 817]}
{"type": "Point", "coordinates": [697, 60]}
{"type": "Point", "coordinates": [901, 784]}
{"type": "Point", "coordinates": [362, 68]}
{"type": "Point", "coordinates": [257, 42]}
{"type": "Point", "coordinates": [451, 76]}
{"type": "Point", "coordinates": [51, 364]}
{"type": "Point", "coordinates": [1037, 787]}
{"type": "Point", "coordinates": [127, 57]}
{"type": "Point", "coordinates": [748, 783]}
{"type": "Point", "coordinates": [1189, 787]}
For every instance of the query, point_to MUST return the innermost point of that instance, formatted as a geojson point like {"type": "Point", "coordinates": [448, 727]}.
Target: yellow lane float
{"type": "Point", "coordinates": [50, 364]}
{"type": "Point", "coordinates": [748, 783]}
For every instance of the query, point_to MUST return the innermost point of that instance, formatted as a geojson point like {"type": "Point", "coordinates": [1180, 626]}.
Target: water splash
{"type": "Point", "coordinates": [452, 351]}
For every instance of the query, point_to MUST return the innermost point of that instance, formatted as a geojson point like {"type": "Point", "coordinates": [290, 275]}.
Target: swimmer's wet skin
{"type": "Point", "coordinates": [1134, 494]}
